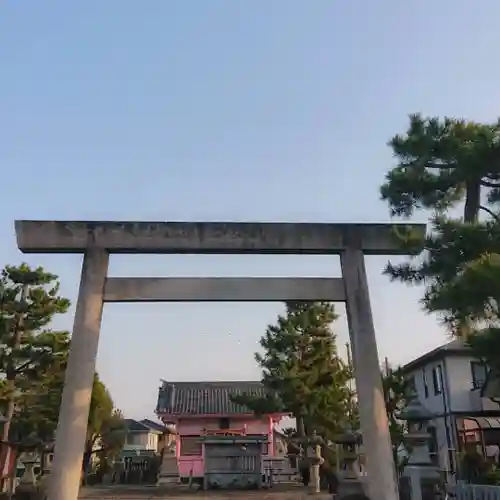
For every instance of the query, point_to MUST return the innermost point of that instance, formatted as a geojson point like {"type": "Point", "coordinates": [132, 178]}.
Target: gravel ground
{"type": "Point", "coordinates": [131, 493]}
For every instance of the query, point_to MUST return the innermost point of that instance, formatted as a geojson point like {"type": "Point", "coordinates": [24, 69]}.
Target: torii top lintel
{"type": "Point", "coordinates": [210, 237]}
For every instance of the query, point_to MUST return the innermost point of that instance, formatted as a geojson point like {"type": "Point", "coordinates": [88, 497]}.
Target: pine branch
{"type": "Point", "coordinates": [488, 211]}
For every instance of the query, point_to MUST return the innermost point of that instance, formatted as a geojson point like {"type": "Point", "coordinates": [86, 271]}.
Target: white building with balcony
{"type": "Point", "coordinates": [454, 385]}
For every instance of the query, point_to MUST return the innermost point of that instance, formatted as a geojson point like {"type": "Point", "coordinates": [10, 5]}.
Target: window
{"type": "Point", "coordinates": [224, 423]}
{"type": "Point", "coordinates": [479, 372]}
{"type": "Point", "coordinates": [433, 445]}
{"type": "Point", "coordinates": [190, 445]}
{"type": "Point", "coordinates": [426, 387]}
{"type": "Point", "coordinates": [437, 379]}
{"type": "Point", "coordinates": [132, 439]}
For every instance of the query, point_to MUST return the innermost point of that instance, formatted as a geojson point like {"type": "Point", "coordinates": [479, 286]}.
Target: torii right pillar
{"type": "Point", "coordinates": [381, 473]}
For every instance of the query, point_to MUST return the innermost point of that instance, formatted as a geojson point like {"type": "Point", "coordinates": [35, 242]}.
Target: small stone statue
{"type": "Point", "coordinates": [280, 448]}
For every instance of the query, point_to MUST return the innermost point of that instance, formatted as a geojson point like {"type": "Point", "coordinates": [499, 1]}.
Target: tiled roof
{"type": "Point", "coordinates": [204, 398]}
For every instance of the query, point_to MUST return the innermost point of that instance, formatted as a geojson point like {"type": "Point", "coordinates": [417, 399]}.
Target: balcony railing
{"type": "Point", "coordinates": [224, 432]}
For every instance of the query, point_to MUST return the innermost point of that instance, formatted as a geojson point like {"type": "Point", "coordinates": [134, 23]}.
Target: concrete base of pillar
{"type": "Point", "coordinates": [108, 478]}
{"type": "Point", "coordinates": [43, 484]}
{"type": "Point", "coordinates": [169, 471]}
{"type": "Point", "coordinates": [350, 486]}
{"type": "Point", "coordinates": [26, 492]}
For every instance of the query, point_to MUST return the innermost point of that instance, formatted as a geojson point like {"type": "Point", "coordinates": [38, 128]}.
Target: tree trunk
{"type": "Point", "coordinates": [472, 200]}
{"type": "Point", "coordinates": [87, 459]}
{"type": "Point", "coordinates": [471, 214]}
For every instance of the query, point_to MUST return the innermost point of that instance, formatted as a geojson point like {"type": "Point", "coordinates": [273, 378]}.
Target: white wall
{"type": "Point", "coordinates": [144, 440]}
{"type": "Point", "coordinates": [460, 382]}
{"type": "Point", "coordinates": [457, 382]}
{"type": "Point", "coordinates": [432, 401]}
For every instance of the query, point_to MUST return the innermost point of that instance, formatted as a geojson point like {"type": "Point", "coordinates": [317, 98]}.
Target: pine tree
{"type": "Point", "coordinates": [444, 165]}
{"type": "Point", "coordinates": [33, 362]}
{"type": "Point", "coordinates": [29, 299]}
{"type": "Point", "coordinates": [302, 369]}
{"type": "Point", "coordinates": [474, 298]}
{"type": "Point", "coordinates": [38, 397]}
{"type": "Point", "coordinates": [105, 425]}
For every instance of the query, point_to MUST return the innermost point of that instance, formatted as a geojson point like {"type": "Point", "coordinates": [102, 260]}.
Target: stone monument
{"type": "Point", "coordinates": [169, 467]}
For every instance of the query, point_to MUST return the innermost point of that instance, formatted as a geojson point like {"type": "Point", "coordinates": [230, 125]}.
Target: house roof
{"type": "Point", "coordinates": [135, 426]}
{"type": "Point", "coordinates": [454, 348]}
{"type": "Point", "coordinates": [205, 398]}
{"type": "Point", "coordinates": [144, 425]}
{"type": "Point", "coordinates": [155, 426]}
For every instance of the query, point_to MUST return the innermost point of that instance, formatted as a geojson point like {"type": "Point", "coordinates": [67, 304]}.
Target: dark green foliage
{"type": "Point", "coordinates": [106, 430]}
{"type": "Point", "coordinates": [302, 370]}
{"type": "Point", "coordinates": [29, 301]}
{"type": "Point", "coordinates": [397, 392]}
{"type": "Point", "coordinates": [33, 361]}
{"type": "Point", "coordinates": [38, 398]}
{"type": "Point", "coordinates": [442, 165]}
{"type": "Point", "coordinates": [453, 164]}
{"type": "Point", "coordinates": [475, 469]}
{"type": "Point", "coordinates": [486, 347]}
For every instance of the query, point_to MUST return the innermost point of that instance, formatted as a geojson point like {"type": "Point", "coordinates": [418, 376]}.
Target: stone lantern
{"type": "Point", "coordinates": [47, 450]}
{"type": "Point", "coordinates": [313, 458]}
{"type": "Point", "coordinates": [27, 487]}
{"type": "Point", "coordinates": [349, 480]}
{"type": "Point", "coordinates": [422, 475]}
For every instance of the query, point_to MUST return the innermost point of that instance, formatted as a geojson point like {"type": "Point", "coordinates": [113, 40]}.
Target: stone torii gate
{"type": "Point", "coordinates": [96, 240]}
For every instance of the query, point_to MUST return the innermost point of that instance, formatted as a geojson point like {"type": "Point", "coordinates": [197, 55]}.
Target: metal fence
{"type": "Point", "coordinates": [464, 491]}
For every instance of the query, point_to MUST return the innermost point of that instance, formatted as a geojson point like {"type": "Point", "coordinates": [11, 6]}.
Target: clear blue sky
{"type": "Point", "coordinates": [225, 110]}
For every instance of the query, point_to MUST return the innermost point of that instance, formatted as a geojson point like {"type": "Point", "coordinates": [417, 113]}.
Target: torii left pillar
{"type": "Point", "coordinates": [71, 431]}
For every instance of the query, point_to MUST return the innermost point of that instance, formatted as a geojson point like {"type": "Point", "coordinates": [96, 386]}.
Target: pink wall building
{"type": "Point", "coordinates": [205, 408]}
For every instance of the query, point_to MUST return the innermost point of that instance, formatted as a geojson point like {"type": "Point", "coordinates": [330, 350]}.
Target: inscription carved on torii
{"type": "Point", "coordinates": [96, 240]}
